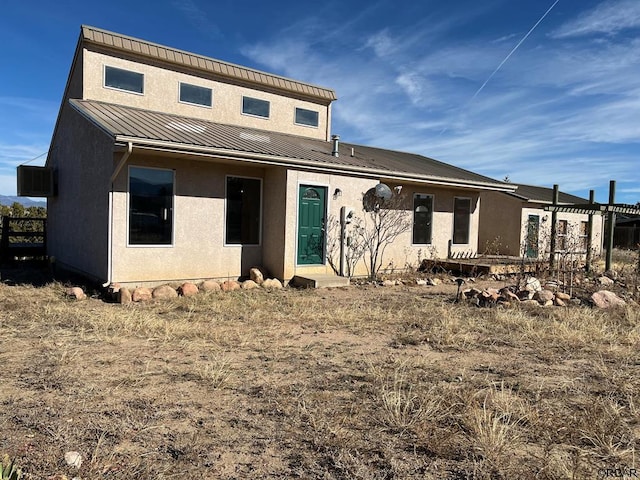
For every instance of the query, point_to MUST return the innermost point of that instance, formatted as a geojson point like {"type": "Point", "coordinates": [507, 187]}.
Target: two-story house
{"type": "Point", "coordinates": [174, 166]}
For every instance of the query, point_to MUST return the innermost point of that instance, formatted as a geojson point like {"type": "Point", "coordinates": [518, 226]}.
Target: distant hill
{"type": "Point", "coordinates": [26, 201]}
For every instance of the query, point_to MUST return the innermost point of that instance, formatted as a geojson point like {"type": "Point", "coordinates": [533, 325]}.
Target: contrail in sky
{"type": "Point", "coordinates": [513, 51]}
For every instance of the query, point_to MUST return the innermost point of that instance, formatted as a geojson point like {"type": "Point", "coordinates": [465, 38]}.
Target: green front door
{"type": "Point", "coordinates": [311, 213]}
{"type": "Point", "coordinates": [533, 231]}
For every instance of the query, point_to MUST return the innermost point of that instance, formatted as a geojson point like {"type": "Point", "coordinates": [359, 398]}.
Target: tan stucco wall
{"type": "Point", "coordinates": [161, 93]}
{"type": "Point", "coordinates": [81, 157]}
{"type": "Point", "coordinates": [503, 225]}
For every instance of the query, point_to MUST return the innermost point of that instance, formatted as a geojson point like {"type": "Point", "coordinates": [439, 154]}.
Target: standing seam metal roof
{"type": "Point", "coordinates": [190, 134]}
{"type": "Point", "coordinates": [532, 193]}
{"type": "Point", "coordinates": [210, 65]}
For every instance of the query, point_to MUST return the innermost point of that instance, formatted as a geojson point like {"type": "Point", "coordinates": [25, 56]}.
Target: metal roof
{"type": "Point", "coordinates": [208, 65]}
{"type": "Point", "coordinates": [163, 131]}
{"type": "Point", "coordinates": [535, 194]}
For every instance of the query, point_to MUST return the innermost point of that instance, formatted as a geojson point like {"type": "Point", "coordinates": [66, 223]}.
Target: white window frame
{"type": "Point", "coordinates": [224, 230]}
{"type": "Point", "coordinates": [252, 114]}
{"type": "Point", "coordinates": [184, 102]}
{"type": "Point", "coordinates": [109, 87]}
{"type": "Point", "coordinates": [173, 209]}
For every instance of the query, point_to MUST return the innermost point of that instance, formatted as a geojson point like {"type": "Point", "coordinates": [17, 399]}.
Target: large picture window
{"type": "Point", "coordinates": [123, 79]}
{"type": "Point", "coordinates": [422, 218]}
{"type": "Point", "coordinates": [461, 220]}
{"type": "Point", "coordinates": [243, 211]}
{"type": "Point", "coordinates": [255, 107]}
{"type": "Point", "coordinates": [196, 95]}
{"type": "Point", "coordinates": [150, 206]}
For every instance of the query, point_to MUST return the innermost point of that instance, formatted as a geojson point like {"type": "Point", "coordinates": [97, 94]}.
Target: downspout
{"type": "Point", "coordinates": [114, 175]}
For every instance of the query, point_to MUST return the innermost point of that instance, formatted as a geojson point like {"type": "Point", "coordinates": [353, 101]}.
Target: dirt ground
{"type": "Point", "coordinates": [359, 382]}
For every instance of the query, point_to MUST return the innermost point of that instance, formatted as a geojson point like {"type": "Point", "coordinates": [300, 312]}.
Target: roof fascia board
{"type": "Point", "coordinates": [289, 162]}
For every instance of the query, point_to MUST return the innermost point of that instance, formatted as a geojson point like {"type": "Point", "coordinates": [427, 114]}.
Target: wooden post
{"type": "Point", "coordinates": [592, 199]}
{"type": "Point", "coordinates": [611, 221]}
{"type": "Point", "coordinates": [554, 220]}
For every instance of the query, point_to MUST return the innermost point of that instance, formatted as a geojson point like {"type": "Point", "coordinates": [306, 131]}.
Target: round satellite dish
{"type": "Point", "coordinates": [383, 191]}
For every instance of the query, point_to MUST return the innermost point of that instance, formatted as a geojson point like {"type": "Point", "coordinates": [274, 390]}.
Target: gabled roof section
{"type": "Point", "coordinates": [205, 64]}
{"type": "Point", "coordinates": [535, 194]}
{"type": "Point", "coordinates": [146, 129]}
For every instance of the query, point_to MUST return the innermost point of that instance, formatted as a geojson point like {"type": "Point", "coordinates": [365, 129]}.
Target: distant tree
{"type": "Point", "coordinates": [506, 179]}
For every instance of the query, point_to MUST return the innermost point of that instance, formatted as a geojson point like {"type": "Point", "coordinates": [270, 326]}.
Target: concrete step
{"type": "Point", "coordinates": [319, 281]}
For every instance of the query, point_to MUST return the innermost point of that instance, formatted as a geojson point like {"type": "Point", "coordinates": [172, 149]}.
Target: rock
{"type": "Point", "coordinates": [563, 296]}
{"type": "Point", "coordinates": [274, 284]}
{"type": "Point", "coordinates": [256, 275]}
{"type": "Point", "coordinates": [124, 296]}
{"type": "Point", "coordinates": [113, 290]}
{"type": "Point", "coordinates": [532, 285]}
{"type": "Point", "coordinates": [249, 285]}
{"type": "Point", "coordinates": [471, 292]}
{"type": "Point", "coordinates": [73, 459]}
{"type": "Point", "coordinates": [76, 293]}
{"type": "Point", "coordinates": [530, 302]}
{"type": "Point", "coordinates": [187, 289]}
{"type": "Point", "coordinates": [421, 281]}
{"type": "Point", "coordinates": [543, 296]}
{"type": "Point", "coordinates": [210, 286]}
{"type": "Point", "coordinates": [558, 302]}
{"type": "Point", "coordinates": [612, 274]}
{"type": "Point", "coordinates": [141, 294]}
{"type": "Point", "coordinates": [508, 295]}
{"type": "Point", "coordinates": [525, 295]}
{"type": "Point", "coordinates": [606, 299]}
{"type": "Point", "coordinates": [605, 281]}
{"type": "Point", "coordinates": [229, 286]}
{"type": "Point", "coordinates": [164, 292]}
{"type": "Point", "coordinates": [434, 282]}
{"type": "Point", "coordinates": [387, 283]}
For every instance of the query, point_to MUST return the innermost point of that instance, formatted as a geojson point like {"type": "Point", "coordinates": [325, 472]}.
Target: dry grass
{"type": "Point", "coordinates": [355, 383]}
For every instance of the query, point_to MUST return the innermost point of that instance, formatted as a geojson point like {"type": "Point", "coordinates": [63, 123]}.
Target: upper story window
{"type": "Point", "coordinates": [123, 79]}
{"type": "Point", "coordinates": [306, 117]}
{"type": "Point", "coordinates": [196, 95]}
{"type": "Point", "coordinates": [255, 106]}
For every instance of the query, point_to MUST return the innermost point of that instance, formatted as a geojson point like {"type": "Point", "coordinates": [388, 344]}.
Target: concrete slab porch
{"type": "Point", "coordinates": [319, 281]}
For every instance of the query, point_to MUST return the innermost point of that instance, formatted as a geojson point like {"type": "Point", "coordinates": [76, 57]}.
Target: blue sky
{"type": "Point", "coordinates": [540, 91]}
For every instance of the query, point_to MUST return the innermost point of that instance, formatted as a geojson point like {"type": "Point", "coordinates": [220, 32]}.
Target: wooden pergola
{"type": "Point", "coordinates": [592, 208]}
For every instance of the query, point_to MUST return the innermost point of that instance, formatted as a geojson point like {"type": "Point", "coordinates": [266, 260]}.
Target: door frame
{"type": "Point", "coordinates": [325, 186]}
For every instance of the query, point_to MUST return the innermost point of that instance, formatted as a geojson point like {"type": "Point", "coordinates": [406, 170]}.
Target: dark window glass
{"type": "Point", "coordinates": [195, 94]}
{"type": "Point", "coordinates": [306, 117]}
{"type": "Point", "coordinates": [562, 232]}
{"type": "Point", "coordinates": [461, 220]}
{"type": "Point", "coordinates": [422, 218]}
{"type": "Point", "coordinates": [123, 79]}
{"type": "Point", "coordinates": [243, 211]}
{"type": "Point", "coordinates": [150, 206]}
{"type": "Point", "coordinates": [254, 106]}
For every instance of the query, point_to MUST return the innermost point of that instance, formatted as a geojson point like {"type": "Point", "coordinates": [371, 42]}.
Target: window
{"type": "Point", "coordinates": [256, 107]}
{"type": "Point", "coordinates": [306, 117]}
{"type": "Point", "coordinates": [196, 95]}
{"type": "Point", "coordinates": [123, 79]}
{"type": "Point", "coordinates": [584, 236]}
{"type": "Point", "coordinates": [561, 235]}
{"type": "Point", "coordinates": [461, 220]}
{"type": "Point", "coordinates": [243, 211]}
{"type": "Point", "coordinates": [150, 206]}
{"type": "Point", "coordinates": [422, 218]}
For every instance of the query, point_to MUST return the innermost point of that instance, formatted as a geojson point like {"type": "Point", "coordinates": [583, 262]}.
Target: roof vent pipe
{"type": "Point", "coordinates": [336, 141]}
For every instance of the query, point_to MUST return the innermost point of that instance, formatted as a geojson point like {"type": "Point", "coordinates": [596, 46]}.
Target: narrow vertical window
{"type": "Point", "coordinates": [150, 206]}
{"type": "Point", "coordinates": [561, 235]}
{"type": "Point", "coordinates": [461, 220]}
{"type": "Point", "coordinates": [422, 218]}
{"type": "Point", "coordinates": [243, 211]}
{"type": "Point", "coordinates": [584, 236]}
{"type": "Point", "coordinates": [121, 79]}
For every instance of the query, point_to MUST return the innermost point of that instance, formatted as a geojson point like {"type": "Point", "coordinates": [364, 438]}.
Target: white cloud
{"type": "Point", "coordinates": [609, 17]}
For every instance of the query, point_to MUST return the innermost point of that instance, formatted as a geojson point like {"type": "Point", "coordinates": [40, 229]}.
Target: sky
{"type": "Point", "coordinates": [543, 92]}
